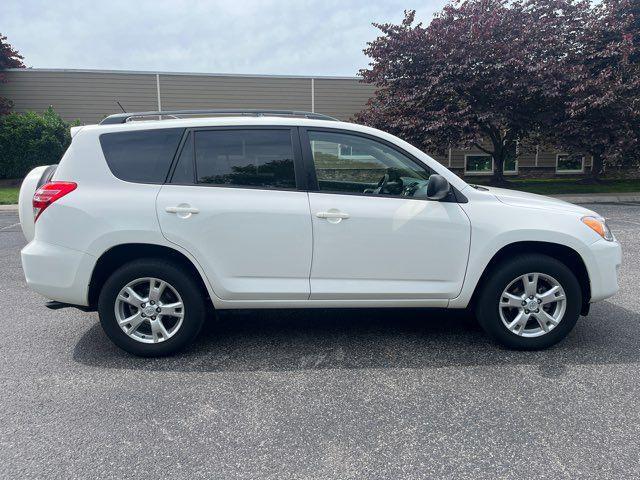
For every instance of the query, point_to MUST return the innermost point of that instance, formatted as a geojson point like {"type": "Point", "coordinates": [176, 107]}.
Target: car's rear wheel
{"type": "Point", "coordinates": [151, 307]}
{"type": "Point", "coordinates": [529, 302]}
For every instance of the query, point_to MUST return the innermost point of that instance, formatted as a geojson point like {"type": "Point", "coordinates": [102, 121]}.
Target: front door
{"type": "Point", "coordinates": [232, 203]}
{"type": "Point", "coordinates": [375, 235]}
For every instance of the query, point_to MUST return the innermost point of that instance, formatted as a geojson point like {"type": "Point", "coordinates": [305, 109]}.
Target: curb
{"type": "Point", "coordinates": [600, 198]}
{"type": "Point", "coordinates": [8, 208]}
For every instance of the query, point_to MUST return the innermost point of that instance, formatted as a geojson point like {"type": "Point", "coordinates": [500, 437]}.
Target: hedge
{"type": "Point", "coordinates": [28, 140]}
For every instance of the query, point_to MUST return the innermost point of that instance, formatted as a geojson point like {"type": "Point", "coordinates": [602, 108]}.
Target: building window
{"type": "Point", "coordinates": [510, 165]}
{"type": "Point", "coordinates": [478, 164]}
{"type": "Point", "coordinates": [566, 163]}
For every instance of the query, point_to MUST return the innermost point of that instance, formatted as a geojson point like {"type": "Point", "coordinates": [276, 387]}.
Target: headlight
{"type": "Point", "coordinates": [599, 226]}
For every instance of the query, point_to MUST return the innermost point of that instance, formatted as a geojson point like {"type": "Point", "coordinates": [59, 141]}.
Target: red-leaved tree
{"type": "Point", "coordinates": [483, 73]}
{"type": "Point", "coordinates": [9, 58]}
{"type": "Point", "coordinates": [603, 83]}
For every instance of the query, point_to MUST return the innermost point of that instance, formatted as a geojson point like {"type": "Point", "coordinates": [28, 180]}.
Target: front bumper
{"type": "Point", "coordinates": [57, 272]}
{"type": "Point", "coordinates": [606, 258]}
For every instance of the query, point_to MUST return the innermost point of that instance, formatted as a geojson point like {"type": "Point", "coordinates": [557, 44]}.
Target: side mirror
{"type": "Point", "coordinates": [438, 187]}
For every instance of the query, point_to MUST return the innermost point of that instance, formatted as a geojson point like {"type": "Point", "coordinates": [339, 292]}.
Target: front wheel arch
{"type": "Point", "coordinates": [562, 253]}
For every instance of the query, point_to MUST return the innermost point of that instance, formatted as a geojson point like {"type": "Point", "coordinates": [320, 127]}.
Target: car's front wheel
{"type": "Point", "coordinates": [151, 307]}
{"type": "Point", "coordinates": [529, 302]}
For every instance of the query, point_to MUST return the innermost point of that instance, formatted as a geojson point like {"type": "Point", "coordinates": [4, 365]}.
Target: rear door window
{"type": "Point", "coordinates": [142, 156]}
{"type": "Point", "coordinates": [245, 158]}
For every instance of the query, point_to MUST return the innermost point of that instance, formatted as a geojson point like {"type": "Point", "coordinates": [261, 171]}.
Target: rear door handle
{"type": "Point", "coordinates": [333, 216]}
{"type": "Point", "coordinates": [183, 211]}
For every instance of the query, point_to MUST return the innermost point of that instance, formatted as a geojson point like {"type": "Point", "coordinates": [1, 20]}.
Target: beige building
{"type": "Point", "coordinates": [90, 95]}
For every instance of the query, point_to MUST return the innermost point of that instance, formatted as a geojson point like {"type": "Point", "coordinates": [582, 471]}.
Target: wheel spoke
{"type": "Point", "coordinates": [511, 300]}
{"type": "Point", "coordinates": [548, 318]}
{"type": "Point", "coordinates": [133, 321]}
{"type": "Point", "coordinates": [542, 321]}
{"type": "Point", "coordinates": [132, 297]}
{"type": "Point", "coordinates": [155, 291]}
{"type": "Point", "coordinates": [169, 309]}
{"type": "Point", "coordinates": [517, 324]}
{"type": "Point", "coordinates": [552, 295]}
{"type": "Point", "coordinates": [158, 331]}
{"type": "Point", "coordinates": [530, 281]}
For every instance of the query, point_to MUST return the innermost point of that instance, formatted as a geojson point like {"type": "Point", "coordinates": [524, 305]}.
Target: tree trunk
{"type": "Point", "coordinates": [498, 168]}
{"type": "Point", "coordinates": [501, 149]}
{"type": "Point", "coordinates": [596, 170]}
{"type": "Point", "coordinates": [596, 167]}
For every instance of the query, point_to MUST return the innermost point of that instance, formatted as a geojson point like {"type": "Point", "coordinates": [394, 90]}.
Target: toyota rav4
{"type": "Point", "coordinates": [154, 223]}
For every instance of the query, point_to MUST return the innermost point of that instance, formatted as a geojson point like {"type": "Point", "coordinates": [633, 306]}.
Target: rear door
{"type": "Point", "coordinates": [233, 203]}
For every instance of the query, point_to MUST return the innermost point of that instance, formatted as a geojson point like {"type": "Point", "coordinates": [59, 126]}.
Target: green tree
{"type": "Point", "coordinates": [9, 58]}
{"type": "Point", "coordinates": [483, 74]}
{"type": "Point", "coordinates": [28, 140]}
{"type": "Point", "coordinates": [602, 114]}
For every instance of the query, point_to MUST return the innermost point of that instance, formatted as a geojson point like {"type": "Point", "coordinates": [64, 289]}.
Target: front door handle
{"type": "Point", "coordinates": [333, 215]}
{"type": "Point", "coordinates": [182, 210]}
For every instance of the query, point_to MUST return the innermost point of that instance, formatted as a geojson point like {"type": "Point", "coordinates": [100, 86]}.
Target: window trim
{"type": "Point", "coordinates": [176, 158]}
{"type": "Point", "coordinates": [475, 172]}
{"type": "Point", "coordinates": [310, 169]}
{"type": "Point", "coordinates": [298, 165]}
{"type": "Point", "coordinates": [558, 170]}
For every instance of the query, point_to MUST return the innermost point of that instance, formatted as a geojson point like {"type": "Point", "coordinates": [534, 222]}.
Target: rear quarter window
{"type": "Point", "coordinates": [141, 156]}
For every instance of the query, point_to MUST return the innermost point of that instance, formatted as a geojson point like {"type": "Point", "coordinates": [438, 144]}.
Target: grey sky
{"type": "Point", "coordinates": [304, 37]}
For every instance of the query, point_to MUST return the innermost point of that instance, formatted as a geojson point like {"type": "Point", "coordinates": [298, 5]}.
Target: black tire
{"type": "Point", "coordinates": [188, 288]}
{"type": "Point", "coordinates": [487, 306]}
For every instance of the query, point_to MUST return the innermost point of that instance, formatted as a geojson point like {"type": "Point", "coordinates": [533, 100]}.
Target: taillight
{"type": "Point", "coordinates": [49, 193]}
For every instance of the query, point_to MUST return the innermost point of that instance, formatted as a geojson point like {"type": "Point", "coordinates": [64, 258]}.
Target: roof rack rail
{"type": "Point", "coordinates": [126, 117]}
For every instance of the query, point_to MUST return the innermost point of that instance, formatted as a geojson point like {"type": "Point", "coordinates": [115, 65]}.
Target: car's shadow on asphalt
{"type": "Point", "coordinates": [282, 340]}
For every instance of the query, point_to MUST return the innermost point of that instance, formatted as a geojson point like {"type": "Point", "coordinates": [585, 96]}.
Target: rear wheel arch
{"type": "Point", "coordinates": [562, 253]}
{"type": "Point", "coordinates": [119, 255]}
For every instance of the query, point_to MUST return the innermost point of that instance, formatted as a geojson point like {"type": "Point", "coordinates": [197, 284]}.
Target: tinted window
{"type": "Point", "coordinates": [255, 158]}
{"type": "Point", "coordinates": [183, 173]}
{"type": "Point", "coordinates": [354, 164]}
{"type": "Point", "coordinates": [142, 155]}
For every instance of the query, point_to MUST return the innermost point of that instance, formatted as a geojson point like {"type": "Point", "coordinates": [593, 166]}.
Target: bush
{"type": "Point", "coordinates": [28, 140]}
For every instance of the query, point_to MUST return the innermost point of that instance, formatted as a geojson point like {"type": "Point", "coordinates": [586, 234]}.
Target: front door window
{"type": "Point", "coordinates": [353, 164]}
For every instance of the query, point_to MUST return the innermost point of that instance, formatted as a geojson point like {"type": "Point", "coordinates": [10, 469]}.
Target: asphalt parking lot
{"type": "Point", "coordinates": [320, 394]}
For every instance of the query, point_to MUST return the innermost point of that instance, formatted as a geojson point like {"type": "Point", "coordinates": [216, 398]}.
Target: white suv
{"type": "Point", "coordinates": [154, 222]}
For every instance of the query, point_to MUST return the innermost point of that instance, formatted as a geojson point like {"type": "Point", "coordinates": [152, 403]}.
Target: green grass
{"type": "Point", "coordinates": [555, 186]}
{"type": "Point", "coordinates": [9, 195]}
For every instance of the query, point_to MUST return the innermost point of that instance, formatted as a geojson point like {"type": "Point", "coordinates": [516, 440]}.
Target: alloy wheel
{"type": "Point", "coordinates": [532, 305]}
{"type": "Point", "coordinates": [149, 310]}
